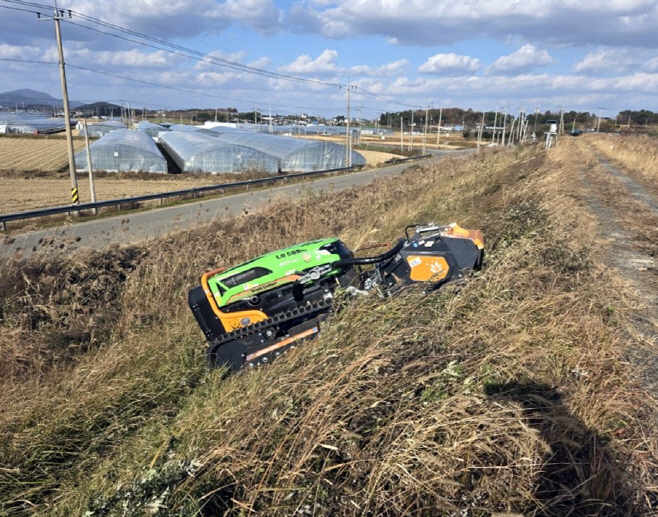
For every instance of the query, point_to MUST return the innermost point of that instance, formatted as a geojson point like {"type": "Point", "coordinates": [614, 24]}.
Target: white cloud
{"type": "Point", "coordinates": [523, 60]}
{"type": "Point", "coordinates": [435, 22]}
{"type": "Point", "coordinates": [211, 58]}
{"type": "Point", "coordinates": [608, 60]}
{"type": "Point", "coordinates": [324, 64]}
{"type": "Point", "coordinates": [18, 51]}
{"type": "Point", "coordinates": [389, 69]}
{"type": "Point", "coordinates": [450, 64]}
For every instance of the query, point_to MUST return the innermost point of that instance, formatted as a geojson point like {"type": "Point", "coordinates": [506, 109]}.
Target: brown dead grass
{"type": "Point", "coordinates": [511, 395]}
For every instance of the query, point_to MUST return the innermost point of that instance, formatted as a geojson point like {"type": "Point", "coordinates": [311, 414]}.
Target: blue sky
{"type": "Point", "coordinates": [480, 54]}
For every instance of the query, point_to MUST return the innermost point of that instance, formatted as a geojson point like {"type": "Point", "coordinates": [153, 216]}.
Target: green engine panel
{"type": "Point", "coordinates": [273, 269]}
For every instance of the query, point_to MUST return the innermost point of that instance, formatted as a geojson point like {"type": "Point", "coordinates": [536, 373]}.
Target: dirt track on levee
{"type": "Point", "coordinates": [528, 391]}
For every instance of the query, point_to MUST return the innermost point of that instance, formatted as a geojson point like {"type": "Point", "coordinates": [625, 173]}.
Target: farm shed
{"type": "Point", "coordinates": [31, 123]}
{"type": "Point", "coordinates": [104, 127]}
{"type": "Point", "coordinates": [123, 150]}
{"type": "Point", "coordinates": [293, 154]}
{"type": "Point", "coordinates": [196, 152]}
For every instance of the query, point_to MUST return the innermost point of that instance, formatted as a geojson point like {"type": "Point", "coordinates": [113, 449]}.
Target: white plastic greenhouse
{"type": "Point", "coordinates": [123, 150]}
{"type": "Point", "coordinates": [151, 129]}
{"type": "Point", "coordinates": [31, 123]}
{"type": "Point", "coordinates": [104, 127]}
{"type": "Point", "coordinates": [295, 155]}
{"type": "Point", "coordinates": [197, 152]}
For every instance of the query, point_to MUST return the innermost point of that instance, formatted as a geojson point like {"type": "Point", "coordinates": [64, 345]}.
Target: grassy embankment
{"type": "Point", "coordinates": [510, 395]}
{"type": "Point", "coordinates": [635, 153]}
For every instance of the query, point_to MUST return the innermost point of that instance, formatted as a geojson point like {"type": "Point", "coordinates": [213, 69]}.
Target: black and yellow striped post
{"type": "Point", "coordinates": [75, 196]}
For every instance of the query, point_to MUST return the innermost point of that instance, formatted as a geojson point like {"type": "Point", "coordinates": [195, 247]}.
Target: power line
{"type": "Point", "coordinates": [159, 44]}
{"type": "Point", "coordinates": [158, 85]}
{"type": "Point", "coordinates": [166, 46]}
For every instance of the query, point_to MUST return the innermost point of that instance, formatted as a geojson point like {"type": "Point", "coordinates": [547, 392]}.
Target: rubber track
{"type": "Point", "coordinates": [270, 322]}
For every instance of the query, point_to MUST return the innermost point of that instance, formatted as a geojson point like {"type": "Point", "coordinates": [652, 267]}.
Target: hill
{"type": "Point", "coordinates": [30, 99]}
{"type": "Point", "coordinates": [514, 393]}
{"type": "Point", "coordinates": [101, 109]}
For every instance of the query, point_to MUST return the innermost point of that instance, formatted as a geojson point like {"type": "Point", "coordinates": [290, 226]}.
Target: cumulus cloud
{"type": "Point", "coordinates": [389, 69]}
{"type": "Point", "coordinates": [435, 22]}
{"type": "Point", "coordinates": [211, 58]}
{"type": "Point", "coordinates": [449, 64]}
{"type": "Point", "coordinates": [324, 64]}
{"type": "Point", "coordinates": [606, 60]}
{"type": "Point", "coordinates": [523, 60]}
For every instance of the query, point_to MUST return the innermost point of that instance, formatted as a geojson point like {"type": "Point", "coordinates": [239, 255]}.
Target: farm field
{"type": "Point", "coordinates": [35, 154]}
{"type": "Point", "coordinates": [34, 174]}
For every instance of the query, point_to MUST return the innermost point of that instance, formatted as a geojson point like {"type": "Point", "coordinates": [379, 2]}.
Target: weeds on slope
{"type": "Point", "coordinates": [511, 394]}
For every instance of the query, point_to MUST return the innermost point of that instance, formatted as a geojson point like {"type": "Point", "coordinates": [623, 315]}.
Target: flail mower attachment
{"type": "Point", "coordinates": [254, 312]}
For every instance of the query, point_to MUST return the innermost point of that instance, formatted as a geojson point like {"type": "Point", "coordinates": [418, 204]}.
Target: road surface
{"type": "Point", "coordinates": [139, 226]}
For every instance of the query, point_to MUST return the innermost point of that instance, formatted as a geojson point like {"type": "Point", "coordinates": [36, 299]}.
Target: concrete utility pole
{"type": "Point", "coordinates": [504, 124]}
{"type": "Point", "coordinates": [348, 156]}
{"type": "Point", "coordinates": [425, 130]}
{"type": "Point", "coordinates": [493, 134]}
{"type": "Point", "coordinates": [401, 134]}
{"type": "Point", "coordinates": [411, 138]}
{"type": "Point", "coordinates": [89, 167]}
{"type": "Point", "coordinates": [598, 124]}
{"type": "Point", "coordinates": [57, 15]}
{"type": "Point", "coordinates": [480, 132]}
{"type": "Point", "coordinates": [438, 133]}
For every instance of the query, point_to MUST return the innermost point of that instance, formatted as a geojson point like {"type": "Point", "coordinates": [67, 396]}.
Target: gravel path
{"type": "Point", "coordinates": [625, 210]}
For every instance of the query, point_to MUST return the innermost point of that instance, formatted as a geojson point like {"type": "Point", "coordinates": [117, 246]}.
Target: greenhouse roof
{"type": "Point", "coordinates": [295, 154]}
{"type": "Point", "coordinates": [30, 123]}
{"type": "Point", "coordinates": [197, 152]}
{"type": "Point", "coordinates": [124, 150]}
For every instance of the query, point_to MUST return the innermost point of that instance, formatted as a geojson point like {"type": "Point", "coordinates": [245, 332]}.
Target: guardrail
{"type": "Point", "coordinates": [394, 161]}
{"type": "Point", "coordinates": [67, 209]}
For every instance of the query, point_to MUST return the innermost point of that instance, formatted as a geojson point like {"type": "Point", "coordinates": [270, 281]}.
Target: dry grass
{"type": "Point", "coordinates": [636, 153]}
{"type": "Point", "coordinates": [511, 395]}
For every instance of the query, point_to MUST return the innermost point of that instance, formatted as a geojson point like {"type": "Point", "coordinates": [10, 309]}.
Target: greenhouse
{"type": "Point", "coordinates": [296, 155]}
{"type": "Point", "coordinates": [31, 123]}
{"type": "Point", "coordinates": [191, 129]}
{"type": "Point", "coordinates": [123, 150]}
{"type": "Point", "coordinates": [103, 128]}
{"type": "Point", "coordinates": [151, 129]}
{"type": "Point", "coordinates": [197, 152]}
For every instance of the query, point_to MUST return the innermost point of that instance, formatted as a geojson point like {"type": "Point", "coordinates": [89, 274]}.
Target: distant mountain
{"type": "Point", "coordinates": [31, 98]}
{"type": "Point", "coordinates": [102, 109]}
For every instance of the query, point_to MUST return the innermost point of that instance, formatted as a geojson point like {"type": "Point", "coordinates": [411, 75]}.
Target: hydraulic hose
{"type": "Point", "coordinates": [362, 261]}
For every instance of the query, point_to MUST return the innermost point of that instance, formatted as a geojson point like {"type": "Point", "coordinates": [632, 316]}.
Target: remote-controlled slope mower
{"type": "Point", "coordinates": [254, 312]}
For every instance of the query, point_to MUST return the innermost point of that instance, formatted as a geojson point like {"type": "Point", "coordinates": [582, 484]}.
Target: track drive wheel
{"type": "Point", "coordinates": [230, 355]}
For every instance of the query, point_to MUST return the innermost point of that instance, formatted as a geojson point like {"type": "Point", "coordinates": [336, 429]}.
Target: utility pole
{"type": "Point", "coordinates": [598, 124]}
{"type": "Point", "coordinates": [348, 157]}
{"type": "Point", "coordinates": [57, 15]}
{"type": "Point", "coordinates": [480, 132]}
{"type": "Point", "coordinates": [411, 138]}
{"type": "Point", "coordinates": [438, 133]}
{"type": "Point", "coordinates": [425, 130]}
{"type": "Point", "coordinates": [401, 134]}
{"type": "Point", "coordinates": [493, 135]}
{"type": "Point", "coordinates": [561, 120]}
{"type": "Point", "coordinates": [89, 167]}
{"type": "Point", "coordinates": [504, 124]}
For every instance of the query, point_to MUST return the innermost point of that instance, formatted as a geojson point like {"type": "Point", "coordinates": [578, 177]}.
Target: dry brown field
{"type": "Point", "coordinates": [35, 154]}
{"type": "Point", "coordinates": [34, 174]}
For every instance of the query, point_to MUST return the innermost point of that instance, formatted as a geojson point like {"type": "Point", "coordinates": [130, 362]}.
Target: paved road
{"type": "Point", "coordinates": [138, 226]}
